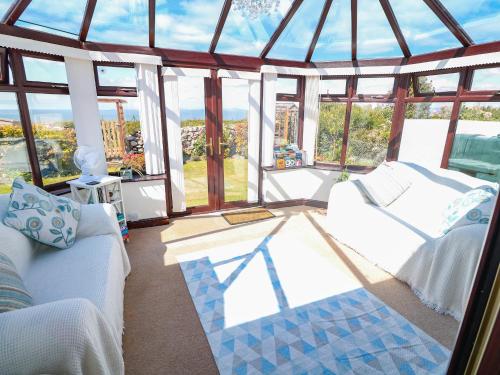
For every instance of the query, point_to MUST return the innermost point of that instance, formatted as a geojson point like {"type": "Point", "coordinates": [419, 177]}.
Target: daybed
{"type": "Point", "coordinates": [76, 323]}
{"type": "Point", "coordinates": [405, 239]}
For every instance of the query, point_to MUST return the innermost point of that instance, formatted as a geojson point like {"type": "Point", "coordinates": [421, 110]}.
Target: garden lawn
{"type": "Point", "coordinates": [196, 185]}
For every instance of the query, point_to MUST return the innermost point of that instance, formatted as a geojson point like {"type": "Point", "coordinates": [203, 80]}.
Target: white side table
{"type": "Point", "coordinates": [107, 190]}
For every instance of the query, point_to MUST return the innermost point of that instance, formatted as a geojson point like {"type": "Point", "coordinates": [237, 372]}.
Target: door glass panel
{"type": "Point", "coordinates": [14, 159]}
{"type": "Point", "coordinates": [193, 135]}
{"type": "Point", "coordinates": [235, 132]}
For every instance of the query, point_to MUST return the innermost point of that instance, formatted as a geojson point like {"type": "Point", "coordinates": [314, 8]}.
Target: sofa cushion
{"type": "Point", "coordinates": [13, 293]}
{"type": "Point", "coordinates": [383, 185]}
{"type": "Point", "coordinates": [473, 207]}
{"type": "Point", "coordinates": [42, 216]}
{"type": "Point", "coordinates": [92, 269]}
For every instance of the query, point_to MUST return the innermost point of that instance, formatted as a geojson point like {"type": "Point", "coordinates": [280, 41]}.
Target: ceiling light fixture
{"type": "Point", "coordinates": [255, 8]}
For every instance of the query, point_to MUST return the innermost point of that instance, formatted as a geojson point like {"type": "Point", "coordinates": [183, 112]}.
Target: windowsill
{"type": "Point", "coordinates": [325, 167]}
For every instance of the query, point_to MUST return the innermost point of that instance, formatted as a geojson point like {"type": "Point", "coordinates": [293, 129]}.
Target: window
{"type": "Point", "coordinates": [288, 86]}
{"type": "Point", "coordinates": [424, 133]}
{"type": "Point", "coordinates": [121, 131]}
{"type": "Point", "coordinates": [330, 132]}
{"type": "Point", "coordinates": [287, 124]}
{"type": "Point", "coordinates": [116, 76]}
{"type": "Point", "coordinates": [375, 86]}
{"type": "Point", "coordinates": [55, 138]}
{"type": "Point", "coordinates": [438, 83]}
{"type": "Point", "coordinates": [369, 132]}
{"type": "Point", "coordinates": [476, 146]}
{"type": "Point", "coordinates": [333, 87]}
{"type": "Point", "coordinates": [42, 70]}
{"type": "Point", "coordinates": [486, 79]}
{"type": "Point", "coordinates": [14, 159]}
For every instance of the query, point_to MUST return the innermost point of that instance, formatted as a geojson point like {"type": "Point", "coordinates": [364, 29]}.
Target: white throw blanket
{"type": "Point", "coordinates": [76, 324]}
{"type": "Point", "coordinates": [404, 238]}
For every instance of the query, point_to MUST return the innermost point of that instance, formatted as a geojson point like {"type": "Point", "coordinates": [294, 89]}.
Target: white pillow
{"type": "Point", "coordinates": [42, 216]}
{"type": "Point", "coordinates": [473, 207]}
{"type": "Point", "coordinates": [383, 185]}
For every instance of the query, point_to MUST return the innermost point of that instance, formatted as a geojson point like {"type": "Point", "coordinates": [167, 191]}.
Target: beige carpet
{"type": "Point", "coordinates": [162, 330]}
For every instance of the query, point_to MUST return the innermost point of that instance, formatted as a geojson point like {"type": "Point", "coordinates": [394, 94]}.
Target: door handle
{"type": "Point", "coordinates": [220, 145]}
{"type": "Point", "coordinates": [210, 148]}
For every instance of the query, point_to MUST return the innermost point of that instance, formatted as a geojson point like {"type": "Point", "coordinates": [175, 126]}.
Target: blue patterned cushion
{"type": "Point", "coordinates": [13, 294]}
{"type": "Point", "coordinates": [42, 216]}
{"type": "Point", "coordinates": [474, 207]}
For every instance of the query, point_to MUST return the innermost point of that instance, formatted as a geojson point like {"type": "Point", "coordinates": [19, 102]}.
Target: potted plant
{"type": "Point", "coordinates": [132, 163]}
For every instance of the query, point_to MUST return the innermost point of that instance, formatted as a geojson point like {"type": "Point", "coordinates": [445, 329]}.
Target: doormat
{"type": "Point", "coordinates": [247, 216]}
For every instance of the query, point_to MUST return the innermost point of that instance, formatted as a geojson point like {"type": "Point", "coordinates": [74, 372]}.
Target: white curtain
{"type": "Point", "coordinates": [83, 96]}
{"type": "Point", "coordinates": [311, 118]}
{"type": "Point", "coordinates": [269, 117]}
{"type": "Point", "coordinates": [150, 115]}
{"type": "Point", "coordinates": [173, 113]}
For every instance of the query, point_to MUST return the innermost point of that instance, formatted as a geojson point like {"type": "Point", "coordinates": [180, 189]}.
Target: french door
{"type": "Point", "coordinates": [214, 133]}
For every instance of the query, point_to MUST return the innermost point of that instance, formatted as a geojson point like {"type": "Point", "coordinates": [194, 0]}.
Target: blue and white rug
{"type": "Point", "coordinates": [280, 306]}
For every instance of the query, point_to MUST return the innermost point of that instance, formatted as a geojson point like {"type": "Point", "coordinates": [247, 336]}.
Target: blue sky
{"type": "Point", "coordinates": [190, 24]}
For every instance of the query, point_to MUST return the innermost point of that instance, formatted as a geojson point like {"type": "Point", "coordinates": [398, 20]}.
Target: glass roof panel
{"type": "Point", "coordinates": [42, 15]}
{"type": "Point", "coordinates": [480, 18]}
{"type": "Point", "coordinates": [334, 42]}
{"type": "Point", "coordinates": [423, 30]}
{"type": "Point", "coordinates": [4, 6]}
{"type": "Point", "coordinates": [120, 21]}
{"type": "Point", "coordinates": [294, 41]}
{"type": "Point", "coordinates": [186, 25]}
{"type": "Point", "coordinates": [247, 35]}
{"type": "Point", "coordinates": [375, 36]}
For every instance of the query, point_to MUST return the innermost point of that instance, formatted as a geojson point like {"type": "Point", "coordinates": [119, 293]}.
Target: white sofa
{"type": "Point", "coordinates": [404, 238]}
{"type": "Point", "coordinates": [76, 323]}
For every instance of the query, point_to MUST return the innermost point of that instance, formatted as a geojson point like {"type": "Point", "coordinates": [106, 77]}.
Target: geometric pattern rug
{"type": "Point", "coordinates": [256, 322]}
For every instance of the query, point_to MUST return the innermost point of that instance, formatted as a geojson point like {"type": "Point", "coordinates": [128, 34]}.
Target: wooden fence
{"type": "Point", "coordinates": [114, 140]}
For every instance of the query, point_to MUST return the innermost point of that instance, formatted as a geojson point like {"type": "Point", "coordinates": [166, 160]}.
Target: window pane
{"type": "Point", "coordinates": [14, 159]}
{"type": "Point", "coordinates": [55, 138]}
{"type": "Point", "coordinates": [66, 21]}
{"type": "Point", "coordinates": [193, 135]}
{"type": "Point", "coordinates": [186, 25]}
{"type": "Point", "coordinates": [479, 18]}
{"type": "Point", "coordinates": [235, 132]}
{"type": "Point", "coordinates": [287, 124]}
{"type": "Point", "coordinates": [121, 130]}
{"type": "Point", "coordinates": [116, 76]}
{"type": "Point", "coordinates": [294, 41]}
{"type": "Point", "coordinates": [423, 30]}
{"type": "Point", "coordinates": [4, 6]}
{"type": "Point", "coordinates": [334, 42]}
{"type": "Point", "coordinates": [122, 22]}
{"type": "Point", "coordinates": [41, 70]}
{"type": "Point", "coordinates": [375, 36]}
{"type": "Point", "coordinates": [476, 147]}
{"type": "Point", "coordinates": [375, 86]}
{"type": "Point", "coordinates": [330, 132]}
{"type": "Point", "coordinates": [247, 34]}
{"type": "Point", "coordinates": [486, 79]}
{"type": "Point", "coordinates": [333, 87]}
{"type": "Point", "coordinates": [287, 86]}
{"type": "Point", "coordinates": [424, 133]}
{"type": "Point", "coordinates": [438, 83]}
{"type": "Point", "coordinates": [369, 132]}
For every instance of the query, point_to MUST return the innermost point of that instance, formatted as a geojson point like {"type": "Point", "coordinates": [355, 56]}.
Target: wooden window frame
{"type": "Point", "coordinates": [298, 97]}
{"type": "Point", "coordinates": [375, 97]}
{"type": "Point", "coordinates": [4, 66]}
{"type": "Point", "coordinates": [469, 91]}
{"type": "Point", "coordinates": [416, 91]}
{"type": "Point", "coordinates": [326, 97]}
{"type": "Point", "coordinates": [125, 91]}
{"type": "Point", "coordinates": [37, 84]}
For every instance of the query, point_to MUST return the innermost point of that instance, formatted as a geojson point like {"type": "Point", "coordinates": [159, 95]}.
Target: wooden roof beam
{"type": "Point", "coordinates": [450, 22]}
{"type": "Point", "coordinates": [389, 13]}
{"type": "Point", "coordinates": [284, 22]}
{"type": "Point", "coordinates": [87, 18]}
{"type": "Point", "coordinates": [152, 20]}
{"type": "Point", "coordinates": [319, 27]}
{"type": "Point", "coordinates": [354, 29]}
{"type": "Point", "coordinates": [220, 25]}
{"type": "Point", "coordinates": [14, 12]}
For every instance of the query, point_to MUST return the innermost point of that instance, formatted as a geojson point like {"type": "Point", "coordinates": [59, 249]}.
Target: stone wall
{"type": "Point", "coordinates": [134, 144]}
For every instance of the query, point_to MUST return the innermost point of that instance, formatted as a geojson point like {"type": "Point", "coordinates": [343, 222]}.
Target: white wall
{"type": "Point", "coordinates": [305, 183]}
{"type": "Point", "coordinates": [144, 199]}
